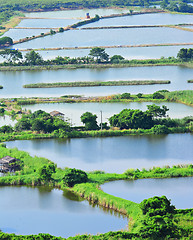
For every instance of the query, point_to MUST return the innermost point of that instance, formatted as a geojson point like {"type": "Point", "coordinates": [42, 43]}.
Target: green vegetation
{"type": "Point", "coordinates": [99, 54]}
{"type": "Point", "coordinates": [190, 81]}
{"type": "Point", "coordinates": [96, 58]}
{"type": "Point", "coordinates": [79, 24]}
{"type": "Point", "coordinates": [94, 84]}
{"type": "Point", "coordinates": [185, 54]}
{"type": "Point", "coordinates": [149, 217]}
{"type": "Point", "coordinates": [5, 41]}
{"type": "Point", "coordinates": [89, 120]}
{"type": "Point", "coordinates": [174, 6]}
{"type": "Point", "coordinates": [74, 176]}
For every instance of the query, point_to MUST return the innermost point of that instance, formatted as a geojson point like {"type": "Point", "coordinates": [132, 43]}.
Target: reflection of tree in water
{"type": "Point", "coordinates": [72, 196]}
{"type": "Point", "coordinates": [108, 211]}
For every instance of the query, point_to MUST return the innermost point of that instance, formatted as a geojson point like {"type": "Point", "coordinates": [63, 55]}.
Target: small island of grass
{"type": "Point", "coordinates": [95, 84]}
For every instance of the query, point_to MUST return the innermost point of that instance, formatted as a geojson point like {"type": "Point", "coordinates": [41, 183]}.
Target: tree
{"type": "Point", "coordinates": [89, 120]}
{"type": "Point", "coordinates": [183, 54]}
{"type": "Point", "coordinates": [99, 54]}
{"type": "Point", "coordinates": [61, 29]}
{"type": "Point", "coordinates": [11, 55]}
{"type": "Point", "coordinates": [139, 95]}
{"type": "Point", "coordinates": [158, 95]}
{"type": "Point", "coordinates": [158, 220]}
{"type": "Point", "coordinates": [74, 176]}
{"type": "Point", "coordinates": [6, 41]}
{"type": "Point", "coordinates": [125, 96]}
{"type": "Point", "coordinates": [157, 111]}
{"type": "Point", "coordinates": [134, 119]}
{"type": "Point", "coordinates": [22, 124]}
{"type": "Point", "coordinates": [160, 129]}
{"type": "Point", "coordinates": [46, 171]}
{"type": "Point", "coordinates": [33, 58]}
{"type": "Point", "coordinates": [116, 58]}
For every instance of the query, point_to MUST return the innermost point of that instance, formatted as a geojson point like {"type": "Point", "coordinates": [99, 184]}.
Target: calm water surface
{"type": "Point", "coordinates": [110, 37]}
{"type": "Point", "coordinates": [73, 111]}
{"type": "Point", "coordinates": [27, 210]}
{"type": "Point", "coordinates": [145, 19]}
{"type": "Point", "coordinates": [12, 82]}
{"type": "Point", "coordinates": [179, 190]}
{"type": "Point", "coordinates": [128, 53]}
{"type": "Point", "coordinates": [81, 13]}
{"type": "Point", "coordinates": [113, 154]}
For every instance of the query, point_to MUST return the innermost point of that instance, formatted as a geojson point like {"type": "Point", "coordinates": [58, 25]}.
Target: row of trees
{"type": "Point", "coordinates": [33, 58]}
{"type": "Point", "coordinates": [96, 55]}
{"type": "Point", "coordinates": [41, 121]}
{"type": "Point", "coordinates": [176, 7]}
{"type": "Point", "coordinates": [128, 118]}
{"type": "Point", "coordinates": [185, 54]}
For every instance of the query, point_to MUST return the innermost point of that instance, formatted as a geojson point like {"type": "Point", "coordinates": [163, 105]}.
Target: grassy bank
{"type": "Point", "coordinates": [50, 65]}
{"type": "Point", "coordinates": [190, 81]}
{"type": "Point", "coordinates": [29, 175]}
{"type": "Point", "coordinates": [95, 84]}
{"type": "Point", "coordinates": [185, 97]}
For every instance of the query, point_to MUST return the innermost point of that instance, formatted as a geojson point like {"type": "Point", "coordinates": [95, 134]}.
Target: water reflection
{"type": "Point", "coordinates": [47, 210]}
{"type": "Point", "coordinates": [115, 154]}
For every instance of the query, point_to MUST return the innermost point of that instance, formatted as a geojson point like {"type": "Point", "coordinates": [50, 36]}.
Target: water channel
{"type": "Point", "coordinates": [179, 190]}
{"type": "Point", "coordinates": [27, 210]}
{"type": "Point", "coordinates": [113, 154]}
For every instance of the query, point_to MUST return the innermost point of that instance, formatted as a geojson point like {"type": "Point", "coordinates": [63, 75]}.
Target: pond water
{"type": "Point", "coordinates": [80, 13]}
{"type": "Point", "coordinates": [17, 34]}
{"type": "Point", "coordinates": [27, 210]}
{"type": "Point", "coordinates": [12, 82]}
{"type": "Point", "coordinates": [103, 37]}
{"type": "Point", "coordinates": [128, 53]}
{"type": "Point", "coordinates": [46, 23]}
{"type": "Point", "coordinates": [7, 120]}
{"type": "Point", "coordinates": [113, 154]}
{"type": "Point", "coordinates": [73, 111]}
{"type": "Point", "coordinates": [144, 19]}
{"type": "Point", "coordinates": [179, 190]}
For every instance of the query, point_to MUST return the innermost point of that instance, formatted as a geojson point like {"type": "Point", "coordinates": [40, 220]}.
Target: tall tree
{"type": "Point", "coordinates": [11, 55]}
{"type": "Point", "coordinates": [33, 58]}
{"type": "Point", "coordinates": [89, 120]}
{"type": "Point", "coordinates": [99, 54]}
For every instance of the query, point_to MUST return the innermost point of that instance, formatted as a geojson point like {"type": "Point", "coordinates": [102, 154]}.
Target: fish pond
{"type": "Point", "coordinates": [73, 111]}
{"type": "Point", "coordinates": [179, 190]}
{"type": "Point", "coordinates": [112, 154]}
{"type": "Point", "coordinates": [27, 210]}
{"type": "Point", "coordinates": [13, 82]}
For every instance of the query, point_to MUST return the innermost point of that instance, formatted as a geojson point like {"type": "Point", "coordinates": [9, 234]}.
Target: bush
{"type": "Point", "coordinates": [158, 95]}
{"type": "Point", "coordinates": [125, 96]}
{"type": "Point", "coordinates": [61, 29]}
{"type": "Point", "coordinates": [74, 176]}
{"type": "Point", "coordinates": [160, 129]}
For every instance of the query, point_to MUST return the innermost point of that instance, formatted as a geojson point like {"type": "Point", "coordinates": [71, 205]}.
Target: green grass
{"type": "Point", "coordinates": [190, 81]}
{"type": "Point", "coordinates": [94, 84]}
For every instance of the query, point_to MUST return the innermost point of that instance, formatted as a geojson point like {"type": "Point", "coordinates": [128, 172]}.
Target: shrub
{"type": "Point", "coordinates": [160, 129]}
{"type": "Point", "coordinates": [158, 95]}
{"type": "Point", "coordinates": [74, 176]}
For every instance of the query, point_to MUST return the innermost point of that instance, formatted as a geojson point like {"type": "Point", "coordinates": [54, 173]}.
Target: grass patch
{"type": "Point", "coordinates": [95, 84]}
